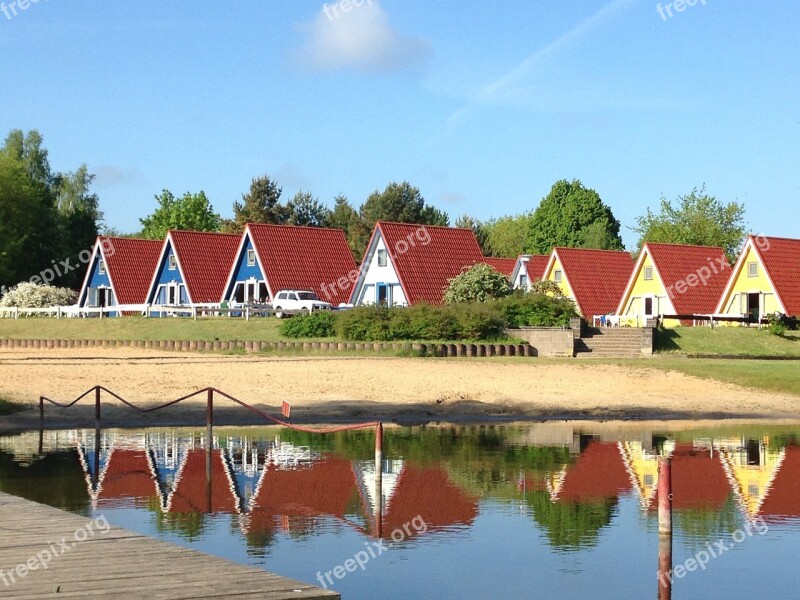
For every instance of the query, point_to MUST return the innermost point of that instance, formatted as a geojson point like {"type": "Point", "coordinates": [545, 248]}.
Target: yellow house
{"type": "Point", "coordinates": [765, 279]}
{"type": "Point", "coordinates": [642, 467]}
{"type": "Point", "coordinates": [676, 280]}
{"type": "Point", "coordinates": [593, 279]}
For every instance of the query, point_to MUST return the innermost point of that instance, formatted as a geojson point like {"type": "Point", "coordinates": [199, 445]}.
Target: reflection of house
{"type": "Point", "coordinates": [598, 474]}
{"type": "Point", "coordinates": [192, 268]}
{"type": "Point", "coordinates": [271, 258]}
{"type": "Point", "coordinates": [698, 479]}
{"type": "Point", "coordinates": [751, 469]}
{"type": "Point", "coordinates": [765, 279]}
{"type": "Point", "coordinates": [127, 475]}
{"type": "Point", "coordinates": [407, 264]}
{"type": "Point", "coordinates": [783, 496]}
{"type": "Point", "coordinates": [594, 279]}
{"type": "Point", "coordinates": [642, 467]}
{"type": "Point", "coordinates": [191, 492]}
{"type": "Point", "coordinates": [672, 279]}
{"type": "Point", "coordinates": [527, 269]}
{"type": "Point", "coordinates": [119, 272]}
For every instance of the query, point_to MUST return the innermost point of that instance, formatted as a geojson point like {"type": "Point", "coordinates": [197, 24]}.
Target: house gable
{"type": "Point", "coordinates": [372, 275]}
{"type": "Point", "coordinates": [95, 279]}
{"type": "Point", "coordinates": [553, 267]}
{"type": "Point", "coordinates": [640, 288]}
{"type": "Point", "coordinates": [742, 283]}
{"type": "Point", "coordinates": [243, 272]}
{"type": "Point", "coordinates": [164, 276]}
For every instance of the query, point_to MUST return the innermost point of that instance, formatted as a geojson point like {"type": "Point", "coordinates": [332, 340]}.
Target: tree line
{"type": "Point", "coordinates": [48, 217]}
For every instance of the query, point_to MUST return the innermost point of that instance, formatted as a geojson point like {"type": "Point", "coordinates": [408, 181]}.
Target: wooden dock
{"type": "Point", "coordinates": [117, 563]}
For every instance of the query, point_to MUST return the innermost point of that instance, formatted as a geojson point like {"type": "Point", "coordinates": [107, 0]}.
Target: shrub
{"type": "Point", "coordinates": [364, 323]}
{"type": "Point", "coordinates": [478, 321]}
{"type": "Point", "coordinates": [314, 325]}
{"type": "Point", "coordinates": [480, 283]}
{"type": "Point", "coordinates": [432, 323]}
{"type": "Point", "coordinates": [32, 295]}
{"type": "Point", "coordinates": [533, 309]}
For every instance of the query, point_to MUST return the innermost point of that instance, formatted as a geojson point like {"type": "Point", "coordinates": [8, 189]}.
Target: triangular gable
{"type": "Point", "coordinates": [167, 248]}
{"type": "Point", "coordinates": [535, 265]}
{"type": "Point", "coordinates": [91, 271]}
{"type": "Point", "coordinates": [555, 261]}
{"type": "Point", "coordinates": [240, 270]}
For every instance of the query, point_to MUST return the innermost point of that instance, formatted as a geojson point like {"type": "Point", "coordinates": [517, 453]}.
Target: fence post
{"type": "Point", "coordinates": [665, 496]}
{"type": "Point", "coordinates": [41, 410]}
{"type": "Point", "coordinates": [379, 480]}
{"type": "Point", "coordinates": [209, 442]}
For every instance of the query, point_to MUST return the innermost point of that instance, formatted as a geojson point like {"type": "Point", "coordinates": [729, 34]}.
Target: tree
{"type": "Point", "coordinates": [507, 236]}
{"type": "Point", "coordinates": [191, 212]}
{"type": "Point", "coordinates": [261, 204]}
{"type": "Point", "coordinates": [79, 217]}
{"type": "Point", "coordinates": [479, 283]}
{"type": "Point", "coordinates": [344, 217]}
{"type": "Point", "coordinates": [697, 219]}
{"type": "Point", "coordinates": [467, 222]}
{"type": "Point", "coordinates": [574, 216]}
{"type": "Point", "coordinates": [17, 221]}
{"type": "Point", "coordinates": [398, 202]}
{"type": "Point", "coordinates": [305, 209]}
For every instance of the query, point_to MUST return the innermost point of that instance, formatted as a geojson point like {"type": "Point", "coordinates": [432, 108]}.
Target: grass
{"type": "Point", "coordinates": [9, 408]}
{"type": "Point", "coordinates": [727, 341]}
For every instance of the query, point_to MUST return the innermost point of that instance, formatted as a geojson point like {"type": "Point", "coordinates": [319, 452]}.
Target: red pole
{"type": "Point", "coordinates": [665, 496]}
{"type": "Point", "coordinates": [665, 567]}
{"type": "Point", "coordinates": [379, 480]}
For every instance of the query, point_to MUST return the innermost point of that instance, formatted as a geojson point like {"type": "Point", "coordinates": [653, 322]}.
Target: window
{"type": "Point", "coordinates": [238, 293]}
{"type": "Point", "coordinates": [752, 269]}
{"type": "Point", "coordinates": [101, 268]}
{"type": "Point", "coordinates": [648, 273]}
{"type": "Point", "coordinates": [282, 296]}
{"type": "Point", "coordinates": [251, 258]}
{"type": "Point", "coordinates": [557, 276]}
{"type": "Point", "coordinates": [172, 263]}
{"type": "Point", "coordinates": [383, 258]}
{"type": "Point", "coordinates": [307, 296]}
{"type": "Point", "coordinates": [523, 281]}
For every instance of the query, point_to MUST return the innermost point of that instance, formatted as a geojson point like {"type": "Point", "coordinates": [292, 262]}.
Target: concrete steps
{"type": "Point", "coordinates": [609, 342]}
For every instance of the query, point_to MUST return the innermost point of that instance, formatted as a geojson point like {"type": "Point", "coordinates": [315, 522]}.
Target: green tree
{"type": "Point", "coordinates": [398, 202]}
{"type": "Point", "coordinates": [344, 217]}
{"type": "Point", "coordinates": [507, 236]}
{"type": "Point", "coordinates": [17, 221]}
{"type": "Point", "coordinates": [698, 219]}
{"type": "Point", "coordinates": [479, 283]}
{"type": "Point", "coordinates": [261, 204]}
{"type": "Point", "coordinates": [467, 222]}
{"type": "Point", "coordinates": [79, 217]}
{"type": "Point", "coordinates": [305, 209]}
{"type": "Point", "coordinates": [192, 212]}
{"type": "Point", "coordinates": [574, 216]}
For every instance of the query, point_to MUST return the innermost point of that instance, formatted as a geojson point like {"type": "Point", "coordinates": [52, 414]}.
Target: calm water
{"type": "Point", "coordinates": [516, 511]}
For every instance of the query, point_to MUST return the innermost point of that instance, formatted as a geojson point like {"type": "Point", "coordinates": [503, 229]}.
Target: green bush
{"type": "Point", "coordinates": [480, 283]}
{"type": "Point", "coordinates": [432, 323]}
{"type": "Point", "coordinates": [318, 324]}
{"type": "Point", "coordinates": [535, 310]}
{"type": "Point", "coordinates": [364, 323]}
{"type": "Point", "coordinates": [478, 321]}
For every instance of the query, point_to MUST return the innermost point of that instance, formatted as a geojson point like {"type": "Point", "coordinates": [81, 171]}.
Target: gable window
{"type": "Point", "coordinates": [172, 264]}
{"type": "Point", "coordinates": [251, 258]}
{"type": "Point", "coordinates": [557, 276]}
{"type": "Point", "coordinates": [523, 281]}
{"type": "Point", "coordinates": [648, 273]}
{"type": "Point", "coordinates": [383, 258]}
{"type": "Point", "coordinates": [101, 268]}
{"type": "Point", "coordinates": [752, 269]}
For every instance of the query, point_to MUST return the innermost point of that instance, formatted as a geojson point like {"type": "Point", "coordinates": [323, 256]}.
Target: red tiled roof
{"type": "Point", "coordinates": [190, 493]}
{"type": "Point", "coordinates": [501, 265]}
{"type": "Point", "coordinates": [127, 475]}
{"type": "Point", "coordinates": [425, 268]}
{"type": "Point", "coordinates": [782, 261]}
{"type": "Point", "coordinates": [130, 264]}
{"type": "Point", "coordinates": [305, 258]}
{"type": "Point", "coordinates": [599, 473]}
{"type": "Point", "coordinates": [783, 498]}
{"type": "Point", "coordinates": [598, 278]}
{"type": "Point", "coordinates": [206, 260]}
{"type": "Point", "coordinates": [537, 263]}
{"type": "Point", "coordinates": [675, 262]}
{"type": "Point", "coordinates": [427, 492]}
{"type": "Point", "coordinates": [698, 479]}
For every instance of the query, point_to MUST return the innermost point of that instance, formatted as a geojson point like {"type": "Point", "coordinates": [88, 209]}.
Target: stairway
{"type": "Point", "coordinates": [609, 342]}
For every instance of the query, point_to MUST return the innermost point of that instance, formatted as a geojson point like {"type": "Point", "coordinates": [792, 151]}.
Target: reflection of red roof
{"type": "Point", "coordinates": [782, 261]}
{"type": "Point", "coordinates": [597, 277]}
{"type": "Point", "coordinates": [425, 257]}
{"type": "Point", "coordinates": [127, 475]}
{"type": "Point", "coordinates": [205, 259]}
{"type": "Point", "coordinates": [130, 264]}
{"type": "Point", "coordinates": [598, 473]}
{"type": "Point", "coordinates": [305, 258]}
{"type": "Point", "coordinates": [783, 498]}
{"type": "Point", "coordinates": [501, 265]}
{"type": "Point", "coordinates": [325, 488]}
{"type": "Point", "coordinates": [429, 493]}
{"type": "Point", "coordinates": [676, 262]}
{"type": "Point", "coordinates": [698, 479]}
{"type": "Point", "coordinates": [190, 492]}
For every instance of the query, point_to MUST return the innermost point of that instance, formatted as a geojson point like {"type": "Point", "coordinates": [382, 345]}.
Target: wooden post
{"type": "Point", "coordinates": [97, 407]}
{"type": "Point", "coordinates": [209, 442]}
{"type": "Point", "coordinates": [379, 480]}
{"type": "Point", "coordinates": [665, 496]}
{"type": "Point", "coordinates": [96, 473]}
{"type": "Point", "coordinates": [665, 566]}
{"type": "Point", "coordinates": [41, 411]}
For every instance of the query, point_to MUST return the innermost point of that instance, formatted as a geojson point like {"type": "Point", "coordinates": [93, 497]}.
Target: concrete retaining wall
{"type": "Point", "coordinates": [547, 341]}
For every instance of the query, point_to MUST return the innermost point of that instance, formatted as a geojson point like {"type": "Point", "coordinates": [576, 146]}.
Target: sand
{"type": "Point", "coordinates": [331, 389]}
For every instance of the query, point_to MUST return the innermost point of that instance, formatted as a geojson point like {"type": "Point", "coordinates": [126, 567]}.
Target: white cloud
{"type": "Point", "coordinates": [113, 175]}
{"type": "Point", "coordinates": [361, 39]}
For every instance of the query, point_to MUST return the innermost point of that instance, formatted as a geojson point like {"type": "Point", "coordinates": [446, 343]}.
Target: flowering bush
{"type": "Point", "coordinates": [32, 295]}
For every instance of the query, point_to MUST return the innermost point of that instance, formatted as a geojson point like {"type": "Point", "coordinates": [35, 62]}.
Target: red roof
{"type": "Point", "coordinates": [598, 278]}
{"type": "Point", "coordinates": [535, 266]}
{"type": "Point", "coordinates": [425, 257]}
{"type": "Point", "coordinates": [130, 264]}
{"type": "Point", "coordinates": [205, 259]}
{"type": "Point", "coordinates": [305, 258]}
{"type": "Point", "coordinates": [781, 259]}
{"type": "Point", "coordinates": [127, 475]}
{"type": "Point", "coordinates": [501, 265]}
{"type": "Point", "coordinates": [598, 474]}
{"type": "Point", "coordinates": [698, 479]}
{"type": "Point", "coordinates": [190, 493]}
{"type": "Point", "coordinates": [783, 498]}
{"type": "Point", "coordinates": [676, 262]}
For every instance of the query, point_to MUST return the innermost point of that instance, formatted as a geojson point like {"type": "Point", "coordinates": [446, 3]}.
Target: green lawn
{"type": "Point", "coordinates": [140, 328]}
{"type": "Point", "coordinates": [727, 341]}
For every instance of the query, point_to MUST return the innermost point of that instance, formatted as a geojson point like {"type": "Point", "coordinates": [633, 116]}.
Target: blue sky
{"type": "Point", "coordinates": [483, 106]}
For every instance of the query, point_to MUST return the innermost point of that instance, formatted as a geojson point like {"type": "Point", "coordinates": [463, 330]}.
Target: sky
{"type": "Point", "coordinates": [482, 106]}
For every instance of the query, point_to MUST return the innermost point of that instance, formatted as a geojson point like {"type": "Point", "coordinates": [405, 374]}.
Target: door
{"type": "Point", "coordinates": [383, 298]}
{"type": "Point", "coordinates": [754, 306]}
{"type": "Point", "coordinates": [648, 307]}
{"type": "Point", "coordinates": [102, 297]}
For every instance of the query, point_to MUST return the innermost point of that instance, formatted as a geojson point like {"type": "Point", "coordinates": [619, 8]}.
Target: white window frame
{"type": "Point", "coordinates": [752, 269]}
{"type": "Point", "coordinates": [383, 257]}
{"type": "Point", "coordinates": [101, 267]}
{"type": "Point", "coordinates": [251, 258]}
{"type": "Point", "coordinates": [172, 263]}
{"type": "Point", "coordinates": [558, 275]}
{"type": "Point", "coordinates": [648, 273]}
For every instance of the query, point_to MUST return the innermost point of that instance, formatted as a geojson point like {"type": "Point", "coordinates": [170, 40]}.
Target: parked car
{"type": "Point", "coordinates": [297, 301]}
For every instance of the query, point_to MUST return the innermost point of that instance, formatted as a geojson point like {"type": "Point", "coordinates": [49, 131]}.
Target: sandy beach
{"type": "Point", "coordinates": [330, 389]}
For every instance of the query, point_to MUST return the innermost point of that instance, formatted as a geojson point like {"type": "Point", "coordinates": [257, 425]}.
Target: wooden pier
{"type": "Point", "coordinates": [117, 563]}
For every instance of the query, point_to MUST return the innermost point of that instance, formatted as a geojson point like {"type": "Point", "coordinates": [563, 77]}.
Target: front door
{"type": "Point", "coordinates": [383, 298]}
{"type": "Point", "coordinates": [101, 297]}
{"type": "Point", "coordinates": [754, 306]}
{"type": "Point", "coordinates": [648, 307]}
